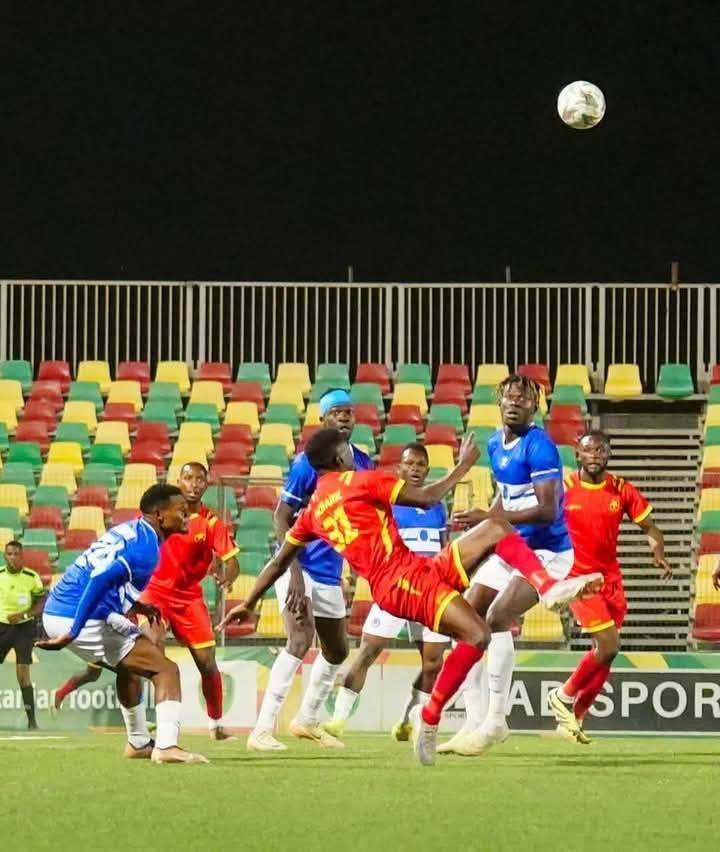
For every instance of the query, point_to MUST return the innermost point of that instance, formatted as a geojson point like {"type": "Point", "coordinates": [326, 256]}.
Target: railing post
{"type": "Point", "coordinates": [201, 321]}
{"type": "Point", "coordinates": [399, 326]}
{"type": "Point", "coordinates": [189, 323]}
{"type": "Point", "coordinates": [588, 299]}
{"type": "Point", "coordinates": [3, 320]}
{"type": "Point", "coordinates": [601, 332]}
{"type": "Point", "coordinates": [713, 354]}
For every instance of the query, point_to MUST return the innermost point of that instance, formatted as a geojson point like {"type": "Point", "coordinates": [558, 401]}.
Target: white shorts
{"type": "Point", "coordinates": [97, 642]}
{"type": "Point", "coordinates": [326, 601]}
{"type": "Point", "coordinates": [381, 623]}
{"type": "Point", "coordinates": [495, 573]}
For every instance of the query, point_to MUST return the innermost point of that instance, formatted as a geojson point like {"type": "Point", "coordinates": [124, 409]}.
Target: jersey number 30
{"type": "Point", "coordinates": [340, 531]}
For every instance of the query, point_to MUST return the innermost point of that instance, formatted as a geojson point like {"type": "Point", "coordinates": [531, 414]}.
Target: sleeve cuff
{"type": "Point", "coordinates": [641, 517]}
{"type": "Point", "coordinates": [293, 540]}
{"type": "Point", "coordinates": [230, 554]}
{"type": "Point", "coordinates": [397, 488]}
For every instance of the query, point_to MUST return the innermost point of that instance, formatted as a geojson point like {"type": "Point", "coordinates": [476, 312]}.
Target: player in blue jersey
{"type": "Point", "coordinates": [423, 531]}
{"type": "Point", "coordinates": [311, 599]}
{"type": "Point", "coordinates": [88, 611]}
{"type": "Point", "coordinates": [527, 469]}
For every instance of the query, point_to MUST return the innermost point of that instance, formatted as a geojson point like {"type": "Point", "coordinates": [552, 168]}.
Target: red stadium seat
{"type": "Point", "coordinates": [232, 453]}
{"type": "Point", "coordinates": [49, 391]}
{"type": "Point", "coordinates": [390, 454]}
{"type": "Point", "coordinates": [122, 412]}
{"type": "Point", "coordinates": [453, 394]}
{"type": "Point", "coordinates": [58, 371]}
{"type": "Point", "coordinates": [216, 371]}
{"type": "Point", "coordinates": [154, 433]}
{"type": "Point", "coordinates": [35, 430]}
{"type": "Point", "coordinates": [38, 560]}
{"type": "Point", "coordinates": [122, 516]}
{"type": "Point", "coordinates": [454, 374]}
{"type": "Point", "coordinates": [439, 433]}
{"type": "Point", "coordinates": [406, 414]}
{"type": "Point", "coordinates": [564, 432]}
{"type": "Point", "coordinates": [706, 627]}
{"type": "Point", "coordinates": [248, 392]}
{"type": "Point", "coordinates": [236, 433]}
{"type": "Point", "coordinates": [261, 497]}
{"type": "Point", "coordinates": [235, 630]}
{"type": "Point", "coordinates": [147, 452]}
{"type": "Point", "coordinates": [561, 413]}
{"type": "Point", "coordinates": [377, 374]}
{"type": "Point", "coordinates": [538, 372]}
{"type": "Point", "coordinates": [41, 412]}
{"type": "Point", "coordinates": [367, 413]}
{"type": "Point", "coordinates": [93, 495]}
{"type": "Point", "coordinates": [80, 539]}
{"type": "Point", "coordinates": [226, 474]}
{"type": "Point", "coordinates": [710, 478]}
{"type": "Point", "coordinates": [46, 517]}
{"type": "Point", "coordinates": [715, 374]}
{"type": "Point", "coordinates": [306, 434]}
{"type": "Point", "coordinates": [135, 371]}
{"type": "Point", "coordinates": [709, 543]}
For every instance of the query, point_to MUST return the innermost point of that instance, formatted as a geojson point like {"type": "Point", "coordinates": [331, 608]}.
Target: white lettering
{"type": "Point", "coordinates": [98, 699]}
{"type": "Point", "coordinates": [631, 692]}
{"type": "Point", "coordinates": [603, 706]}
{"type": "Point", "coordinates": [658, 693]}
{"type": "Point", "coordinates": [519, 698]}
{"type": "Point", "coordinates": [83, 699]}
{"type": "Point", "coordinates": [702, 699]}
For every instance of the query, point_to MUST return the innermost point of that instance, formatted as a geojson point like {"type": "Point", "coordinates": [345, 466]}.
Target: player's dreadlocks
{"type": "Point", "coordinates": [527, 384]}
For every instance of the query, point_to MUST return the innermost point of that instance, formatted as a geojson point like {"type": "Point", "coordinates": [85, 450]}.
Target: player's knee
{"type": "Point", "coordinates": [478, 635]}
{"type": "Point", "coordinates": [170, 670]}
{"type": "Point", "coordinates": [498, 620]}
{"type": "Point", "coordinates": [498, 528]}
{"type": "Point", "coordinates": [606, 653]}
{"type": "Point", "coordinates": [298, 644]}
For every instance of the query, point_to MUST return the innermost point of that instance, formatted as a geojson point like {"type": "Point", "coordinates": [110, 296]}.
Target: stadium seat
{"type": "Point", "coordinates": [66, 558]}
{"type": "Point", "coordinates": [47, 390]}
{"type": "Point", "coordinates": [706, 622]}
{"type": "Point", "coordinates": [390, 454]}
{"type": "Point", "coordinates": [363, 434]}
{"type": "Point", "coordinates": [440, 455]}
{"type": "Point", "coordinates": [95, 371]}
{"type": "Point", "coordinates": [66, 452]}
{"type": "Point", "coordinates": [129, 494]}
{"type": "Point", "coordinates": [147, 452]}
{"type": "Point", "coordinates": [14, 496]}
{"type": "Point", "coordinates": [567, 456]}
{"type": "Point", "coordinates": [484, 395]}
{"type": "Point", "coordinates": [126, 391]}
{"type": "Point", "coordinates": [216, 371]}
{"type": "Point", "coordinates": [97, 473]}
{"type": "Point", "coordinates": [6, 534]}
{"type": "Point", "coordinates": [208, 393]}
{"type": "Point", "coordinates": [715, 374]}
{"type": "Point", "coordinates": [709, 522]}
{"type": "Point", "coordinates": [237, 629]}
{"type": "Point", "coordinates": [248, 392]}
{"type": "Point", "coordinates": [713, 396]}
{"type": "Point", "coordinates": [308, 430]}
{"type": "Point", "coordinates": [86, 392]}
{"type": "Point", "coordinates": [140, 474]}
{"type": "Point", "coordinates": [122, 516]}
{"type": "Point", "coordinates": [570, 395]}
{"type": "Point", "coordinates": [573, 374]}
{"type": "Point", "coordinates": [361, 604]}
{"type": "Point", "coordinates": [121, 412]}
{"type": "Point", "coordinates": [76, 433]}
{"type": "Point", "coordinates": [228, 474]}
{"type": "Point", "coordinates": [456, 375]}
{"type": "Point", "coordinates": [56, 371]}
{"type": "Point", "coordinates": [18, 371]}
{"type": "Point", "coordinates": [222, 500]}
{"type": "Point", "coordinates": [52, 495]}
{"type": "Point", "coordinates": [406, 414]}
{"type": "Point", "coordinates": [278, 433]}
{"type": "Point", "coordinates": [374, 374]}
{"type": "Point", "coordinates": [710, 457]}
{"type": "Point", "coordinates": [484, 415]}
{"type": "Point", "coordinates": [414, 374]}
{"type": "Point", "coordinates": [8, 416]}
{"type": "Point", "coordinates": [320, 388]}
{"type": "Point", "coordinates": [446, 414]}
{"type": "Point", "coordinates": [38, 561]}
{"type": "Point", "coordinates": [709, 543]}
{"type": "Point", "coordinates": [80, 540]}
{"type": "Point", "coordinates": [491, 374]}
{"type": "Point", "coordinates": [41, 538]}
{"type": "Point", "coordinates": [561, 413]}
{"type": "Point", "coordinates": [272, 454]}
{"type": "Point", "coordinates": [451, 394]}
{"type": "Point", "coordinates": [46, 517]}
{"type": "Point", "coordinates": [466, 496]}
{"type": "Point", "coordinates": [11, 518]}
{"type": "Point", "coordinates": [243, 413]}
{"type": "Point", "coordinates": [270, 623]}
{"type": "Point", "coordinates": [236, 433]}
{"type": "Point", "coordinates": [80, 412]}
{"type": "Point", "coordinates": [366, 413]}
{"type": "Point", "coordinates": [294, 374]}
{"type": "Point", "coordinates": [167, 393]}
{"type": "Point", "coordinates": [255, 371]}
{"type": "Point", "coordinates": [19, 473]}
{"type": "Point", "coordinates": [11, 392]}
{"type": "Point", "coordinates": [410, 394]}
{"type": "Point", "coordinates": [25, 452]}
{"type": "Point", "coordinates": [710, 477]}
{"type": "Point", "coordinates": [287, 394]}
{"type": "Point", "coordinates": [541, 625]}
{"type": "Point", "coordinates": [197, 433]}
{"type": "Point", "coordinates": [175, 372]}
{"type": "Point", "coordinates": [623, 381]}
{"type": "Point", "coordinates": [110, 432]}
{"type": "Point", "coordinates": [231, 452]}
{"type": "Point", "coordinates": [539, 373]}
{"type": "Point", "coordinates": [709, 500]}
{"type": "Point", "coordinates": [361, 393]}
{"type": "Point", "coordinates": [261, 497]}
{"type": "Point", "coordinates": [257, 519]}
{"type": "Point", "coordinates": [203, 412]}
{"type": "Point", "coordinates": [312, 415]}
{"type": "Point", "coordinates": [335, 374]}
{"type": "Point", "coordinates": [712, 416]}
{"type": "Point", "coordinates": [135, 371]}
{"type": "Point", "coordinates": [674, 381]}
{"type": "Point", "coordinates": [156, 433]}
{"type": "Point", "coordinates": [87, 518]}
{"type": "Point", "coordinates": [439, 433]}
{"type": "Point", "coordinates": [282, 413]}
{"type": "Point", "coordinates": [94, 495]}
{"type": "Point", "coordinates": [111, 454]}
{"type": "Point", "coordinates": [40, 411]}
{"type": "Point", "coordinates": [37, 432]}
{"type": "Point", "coordinates": [264, 473]}
{"type": "Point", "coordinates": [160, 412]}
{"type": "Point", "coordinates": [190, 451]}
{"type": "Point", "coordinates": [399, 434]}
{"type": "Point", "coordinates": [564, 431]}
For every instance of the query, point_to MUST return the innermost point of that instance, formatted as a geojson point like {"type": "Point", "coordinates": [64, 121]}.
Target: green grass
{"type": "Point", "coordinates": [529, 794]}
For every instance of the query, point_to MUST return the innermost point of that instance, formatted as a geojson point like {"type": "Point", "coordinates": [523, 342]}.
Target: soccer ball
{"type": "Point", "coordinates": [581, 105]}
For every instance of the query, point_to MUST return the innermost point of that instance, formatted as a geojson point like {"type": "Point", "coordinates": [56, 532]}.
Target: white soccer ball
{"type": "Point", "coordinates": [581, 105]}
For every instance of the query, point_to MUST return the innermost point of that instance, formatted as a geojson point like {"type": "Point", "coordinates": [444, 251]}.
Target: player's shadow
{"type": "Point", "coordinates": [695, 758]}
{"type": "Point", "coordinates": [288, 761]}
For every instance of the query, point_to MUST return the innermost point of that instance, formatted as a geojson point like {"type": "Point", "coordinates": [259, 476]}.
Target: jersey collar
{"type": "Point", "coordinates": [592, 486]}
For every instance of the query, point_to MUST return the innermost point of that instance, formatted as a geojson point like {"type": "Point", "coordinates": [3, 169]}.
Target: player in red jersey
{"type": "Point", "coordinates": [595, 502]}
{"type": "Point", "coordinates": [351, 510]}
{"type": "Point", "coordinates": [174, 587]}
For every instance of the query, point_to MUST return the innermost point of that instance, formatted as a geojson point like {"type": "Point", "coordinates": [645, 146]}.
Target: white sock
{"type": "Point", "coordinates": [213, 724]}
{"type": "Point", "coordinates": [501, 661]}
{"type": "Point", "coordinates": [476, 696]}
{"type": "Point", "coordinates": [563, 696]}
{"type": "Point", "coordinates": [344, 703]}
{"type": "Point", "coordinates": [167, 716]}
{"type": "Point", "coordinates": [136, 725]}
{"type": "Point", "coordinates": [417, 696]}
{"type": "Point", "coordinates": [322, 677]}
{"type": "Point", "coordinates": [279, 683]}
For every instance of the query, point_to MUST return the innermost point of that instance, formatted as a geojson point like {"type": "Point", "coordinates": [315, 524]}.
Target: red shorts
{"type": "Point", "coordinates": [605, 609]}
{"type": "Point", "coordinates": [422, 587]}
{"type": "Point", "coordinates": [189, 620]}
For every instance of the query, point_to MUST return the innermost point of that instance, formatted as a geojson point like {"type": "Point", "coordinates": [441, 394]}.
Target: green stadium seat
{"type": "Point", "coordinates": [437, 473]}
{"type": "Point", "coordinates": [336, 374]}
{"type": "Point", "coordinates": [712, 435]}
{"type": "Point", "coordinates": [10, 519]}
{"type": "Point", "coordinates": [485, 395]}
{"type": "Point", "coordinates": [570, 395]}
{"type": "Point", "coordinates": [167, 392]}
{"type": "Point", "coordinates": [567, 455]}
{"type": "Point", "coordinates": [161, 411]}
{"type": "Point", "coordinates": [109, 454]}
{"type": "Point", "coordinates": [4, 438]}
{"type": "Point", "coordinates": [252, 563]}
{"type": "Point", "coordinates": [272, 454]}
{"type": "Point", "coordinates": [368, 393]}
{"type": "Point", "coordinates": [41, 539]}
{"type": "Point", "coordinates": [203, 412]}
{"type": "Point", "coordinates": [399, 434]}
{"type": "Point", "coordinates": [86, 392]}
{"type": "Point", "coordinates": [283, 413]}
{"type": "Point", "coordinates": [709, 522]}
{"type": "Point", "coordinates": [253, 540]}
{"type": "Point", "coordinates": [26, 452]}
{"type": "Point", "coordinates": [415, 374]}
{"type": "Point", "coordinates": [321, 387]}
{"type": "Point", "coordinates": [447, 414]}
{"type": "Point", "coordinates": [674, 381]}
{"type": "Point", "coordinates": [538, 420]}
{"type": "Point", "coordinates": [19, 371]}
{"type": "Point", "coordinates": [363, 434]}
{"type": "Point", "coordinates": [221, 499]}
{"type": "Point", "coordinates": [19, 473]}
{"type": "Point", "coordinates": [482, 434]}
{"type": "Point", "coordinates": [52, 495]}
{"type": "Point", "coordinates": [210, 591]}
{"type": "Point", "coordinates": [713, 397]}
{"type": "Point", "coordinates": [66, 559]}
{"type": "Point", "coordinates": [256, 519]}
{"type": "Point", "coordinates": [76, 433]}
{"type": "Point", "coordinates": [100, 473]}
{"type": "Point", "coordinates": [255, 371]}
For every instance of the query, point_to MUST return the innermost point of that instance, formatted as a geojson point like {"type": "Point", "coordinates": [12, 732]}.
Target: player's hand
{"type": "Point", "coordinates": [469, 517]}
{"type": "Point", "coordinates": [241, 612]}
{"type": "Point", "coordinates": [152, 613]}
{"type": "Point", "coordinates": [295, 597]}
{"type": "Point", "coordinates": [469, 450]}
{"type": "Point", "coordinates": [16, 617]}
{"type": "Point", "coordinates": [666, 571]}
{"type": "Point", "coordinates": [54, 644]}
{"type": "Point", "coordinates": [154, 631]}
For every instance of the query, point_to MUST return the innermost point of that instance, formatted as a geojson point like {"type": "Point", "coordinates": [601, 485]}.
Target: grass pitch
{"type": "Point", "coordinates": [530, 794]}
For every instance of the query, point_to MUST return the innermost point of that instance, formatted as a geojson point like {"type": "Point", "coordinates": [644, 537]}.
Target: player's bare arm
{"type": "Point", "coordinates": [283, 520]}
{"type": "Point", "coordinates": [656, 543]}
{"type": "Point", "coordinates": [427, 495]}
{"type": "Point", "coordinates": [548, 493]}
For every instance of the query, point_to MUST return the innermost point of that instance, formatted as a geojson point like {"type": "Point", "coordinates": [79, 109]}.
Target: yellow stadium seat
{"type": "Point", "coordinates": [8, 415]}
{"type": "Point", "coordinates": [59, 474]}
{"type": "Point", "coordinates": [11, 391]}
{"type": "Point", "coordinates": [491, 374]}
{"type": "Point", "coordinates": [709, 500]}
{"type": "Point", "coordinates": [66, 452]}
{"type": "Point", "coordinates": [113, 432]}
{"type": "Point", "coordinates": [623, 381]}
{"type": "Point", "coordinates": [189, 451]}
{"type": "Point", "coordinates": [87, 518]}
{"type": "Point", "coordinates": [270, 622]}
{"type": "Point", "coordinates": [573, 374]}
{"type": "Point", "coordinates": [410, 394]}
{"type": "Point", "coordinates": [126, 391]}
{"type": "Point", "coordinates": [241, 587]}
{"type": "Point", "coordinates": [278, 433]}
{"type": "Point", "coordinates": [6, 535]}
{"type": "Point", "coordinates": [129, 494]}
{"type": "Point", "coordinates": [95, 371]}
{"type": "Point", "coordinates": [362, 590]}
{"type": "Point", "coordinates": [266, 474]}
{"type": "Point", "coordinates": [287, 394]}
{"type": "Point", "coordinates": [711, 457]}
{"type": "Point", "coordinates": [466, 496]}
{"type": "Point", "coordinates": [293, 373]}
{"type": "Point", "coordinates": [80, 411]}
{"type": "Point", "coordinates": [208, 392]}
{"type": "Point", "coordinates": [541, 625]}
{"type": "Point", "coordinates": [707, 563]}
{"type": "Point", "coordinates": [139, 473]}
{"type": "Point", "coordinates": [481, 481]}
{"type": "Point", "coordinates": [15, 497]}
{"type": "Point", "coordinates": [568, 471]}
{"type": "Point", "coordinates": [312, 414]}
{"type": "Point", "coordinates": [174, 371]}
{"type": "Point", "coordinates": [243, 412]}
{"type": "Point", "coordinates": [172, 476]}
{"type": "Point", "coordinates": [542, 402]}
{"type": "Point", "coordinates": [704, 590]}
{"type": "Point", "coordinates": [484, 415]}
{"type": "Point", "coordinates": [197, 433]}
{"type": "Point", "coordinates": [440, 455]}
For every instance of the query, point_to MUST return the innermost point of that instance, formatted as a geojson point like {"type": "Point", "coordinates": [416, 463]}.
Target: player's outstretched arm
{"type": "Point", "coordinates": [656, 543]}
{"type": "Point", "coordinates": [428, 495]}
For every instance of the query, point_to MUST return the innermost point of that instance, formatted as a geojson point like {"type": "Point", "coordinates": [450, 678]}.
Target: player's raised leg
{"type": "Point", "coordinates": [74, 682]}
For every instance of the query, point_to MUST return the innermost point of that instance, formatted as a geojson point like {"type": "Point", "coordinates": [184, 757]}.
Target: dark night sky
{"type": "Point", "coordinates": [417, 142]}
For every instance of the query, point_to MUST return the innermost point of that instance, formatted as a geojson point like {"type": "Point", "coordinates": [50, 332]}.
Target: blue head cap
{"type": "Point", "coordinates": [334, 399]}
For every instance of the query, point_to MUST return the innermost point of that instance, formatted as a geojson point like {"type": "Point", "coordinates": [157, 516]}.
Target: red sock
{"type": "Point", "coordinates": [65, 690]}
{"type": "Point", "coordinates": [585, 697]}
{"type": "Point", "coordinates": [583, 674]}
{"type": "Point", "coordinates": [513, 550]}
{"type": "Point", "coordinates": [454, 671]}
{"type": "Point", "coordinates": [212, 690]}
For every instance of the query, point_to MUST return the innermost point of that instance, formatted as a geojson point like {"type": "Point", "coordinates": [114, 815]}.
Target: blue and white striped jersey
{"type": "Point", "coordinates": [421, 529]}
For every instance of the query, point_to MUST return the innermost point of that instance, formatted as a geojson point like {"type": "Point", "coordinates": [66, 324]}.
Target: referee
{"type": "Point", "coordinates": [21, 599]}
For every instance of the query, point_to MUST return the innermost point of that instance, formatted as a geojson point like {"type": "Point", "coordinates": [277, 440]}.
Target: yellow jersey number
{"type": "Point", "coordinates": [340, 530]}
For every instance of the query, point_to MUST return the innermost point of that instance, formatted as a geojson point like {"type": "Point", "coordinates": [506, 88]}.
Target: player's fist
{"type": "Point", "coordinates": [241, 612]}
{"type": "Point", "coordinates": [54, 644]}
{"type": "Point", "coordinates": [469, 451]}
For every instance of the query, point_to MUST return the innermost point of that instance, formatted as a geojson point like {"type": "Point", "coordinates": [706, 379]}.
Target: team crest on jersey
{"type": "Point", "coordinates": [614, 505]}
{"type": "Point", "coordinates": [504, 461]}
{"type": "Point", "coordinates": [199, 536]}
